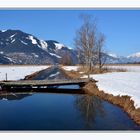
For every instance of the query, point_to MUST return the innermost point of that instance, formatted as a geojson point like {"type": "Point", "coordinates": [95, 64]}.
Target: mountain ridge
{"type": "Point", "coordinates": [24, 48]}
{"type": "Point", "coordinates": [18, 47]}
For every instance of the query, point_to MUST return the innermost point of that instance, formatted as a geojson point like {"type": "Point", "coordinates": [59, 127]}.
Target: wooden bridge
{"type": "Point", "coordinates": [38, 85]}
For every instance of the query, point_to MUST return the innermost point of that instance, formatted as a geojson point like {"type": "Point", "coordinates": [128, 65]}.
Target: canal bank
{"type": "Point", "coordinates": [125, 102]}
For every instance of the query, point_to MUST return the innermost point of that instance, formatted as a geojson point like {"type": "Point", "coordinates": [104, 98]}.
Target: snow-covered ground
{"type": "Point", "coordinates": [120, 83]}
{"type": "Point", "coordinates": [18, 72]}
{"type": "Point", "coordinates": [69, 68]}
{"type": "Point", "coordinates": [126, 67]}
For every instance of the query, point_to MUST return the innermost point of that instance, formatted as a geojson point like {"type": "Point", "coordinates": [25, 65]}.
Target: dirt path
{"type": "Point", "coordinates": [52, 73]}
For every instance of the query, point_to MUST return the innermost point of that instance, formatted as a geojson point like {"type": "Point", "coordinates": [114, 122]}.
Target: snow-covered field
{"type": "Point", "coordinates": [18, 72]}
{"type": "Point", "coordinates": [121, 83]}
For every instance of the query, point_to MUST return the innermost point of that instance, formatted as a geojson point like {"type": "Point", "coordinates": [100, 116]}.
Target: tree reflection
{"type": "Point", "coordinates": [89, 107]}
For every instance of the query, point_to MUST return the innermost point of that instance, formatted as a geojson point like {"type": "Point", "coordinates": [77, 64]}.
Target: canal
{"type": "Point", "coordinates": [53, 111]}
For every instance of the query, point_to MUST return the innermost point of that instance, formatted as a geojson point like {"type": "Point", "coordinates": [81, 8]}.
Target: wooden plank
{"type": "Point", "coordinates": [42, 82]}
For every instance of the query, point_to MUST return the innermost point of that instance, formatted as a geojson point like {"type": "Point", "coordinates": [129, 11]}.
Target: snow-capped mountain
{"type": "Point", "coordinates": [134, 57]}
{"type": "Point", "coordinates": [23, 48]}
{"type": "Point", "coordinates": [112, 55]}
{"type": "Point", "coordinates": [115, 59]}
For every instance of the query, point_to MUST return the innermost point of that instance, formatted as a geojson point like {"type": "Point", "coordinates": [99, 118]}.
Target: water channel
{"type": "Point", "coordinates": [56, 111]}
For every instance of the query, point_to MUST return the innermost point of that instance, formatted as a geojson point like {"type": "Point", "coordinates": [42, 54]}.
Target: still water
{"type": "Point", "coordinates": [50, 111]}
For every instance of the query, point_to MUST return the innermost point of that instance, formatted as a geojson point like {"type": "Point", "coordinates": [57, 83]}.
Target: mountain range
{"type": "Point", "coordinates": [17, 47]}
{"type": "Point", "coordinates": [114, 59]}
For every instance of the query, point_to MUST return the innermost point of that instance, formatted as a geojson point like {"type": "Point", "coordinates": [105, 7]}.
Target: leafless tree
{"type": "Point", "coordinates": [89, 43]}
{"type": "Point", "coordinates": [101, 57]}
{"type": "Point", "coordinates": [66, 59]}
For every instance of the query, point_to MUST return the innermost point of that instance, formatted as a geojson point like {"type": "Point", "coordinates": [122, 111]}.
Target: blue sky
{"type": "Point", "coordinates": [121, 27]}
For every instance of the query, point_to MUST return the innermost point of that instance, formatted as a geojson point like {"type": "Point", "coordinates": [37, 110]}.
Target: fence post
{"type": "Point", "coordinates": [6, 76]}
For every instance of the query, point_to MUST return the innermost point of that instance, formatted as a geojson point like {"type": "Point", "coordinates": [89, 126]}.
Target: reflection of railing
{"type": "Point", "coordinates": [39, 83]}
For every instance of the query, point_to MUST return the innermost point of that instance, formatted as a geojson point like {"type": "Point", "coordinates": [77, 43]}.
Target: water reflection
{"type": "Point", "coordinates": [89, 107]}
{"type": "Point", "coordinates": [60, 112]}
{"type": "Point", "coordinates": [12, 96]}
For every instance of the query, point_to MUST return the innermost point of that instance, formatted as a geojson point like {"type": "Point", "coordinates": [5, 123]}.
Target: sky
{"type": "Point", "coordinates": [120, 27]}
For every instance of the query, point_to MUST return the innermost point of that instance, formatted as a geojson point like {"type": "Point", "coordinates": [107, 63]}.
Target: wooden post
{"type": "Point", "coordinates": [6, 76]}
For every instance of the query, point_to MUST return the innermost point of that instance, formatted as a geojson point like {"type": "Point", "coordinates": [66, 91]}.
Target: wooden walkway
{"type": "Point", "coordinates": [40, 83]}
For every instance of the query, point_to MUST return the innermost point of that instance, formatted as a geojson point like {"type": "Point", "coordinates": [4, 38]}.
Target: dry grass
{"type": "Point", "coordinates": [122, 64]}
{"type": "Point", "coordinates": [84, 69]}
{"type": "Point", "coordinates": [72, 74]}
{"type": "Point", "coordinates": [107, 69]}
{"type": "Point", "coordinates": [95, 70]}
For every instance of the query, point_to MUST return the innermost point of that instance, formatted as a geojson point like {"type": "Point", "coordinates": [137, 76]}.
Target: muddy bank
{"type": "Point", "coordinates": [124, 102]}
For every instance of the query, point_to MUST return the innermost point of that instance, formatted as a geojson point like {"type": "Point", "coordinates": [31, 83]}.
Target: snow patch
{"type": "Point", "coordinates": [52, 75]}
{"type": "Point", "coordinates": [9, 58]}
{"type": "Point", "coordinates": [44, 45]}
{"type": "Point", "coordinates": [70, 48]}
{"type": "Point", "coordinates": [13, 41]}
{"type": "Point", "coordinates": [59, 46]}
{"type": "Point", "coordinates": [55, 55]}
{"type": "Point", "coordinates": [70, 68]}
{"type": "Point", "coordinates": [24, 42]}
{"type": "Point", "coordinates": [32, 39]}
{"type": "Point", "coordinates": [1, 52]}
{"type": "Point", "coordinates": [3, 31]}
{"type": "Point", "coordinates": [12, 35]}
{"type": "Point", "coordinates": [113, 55]}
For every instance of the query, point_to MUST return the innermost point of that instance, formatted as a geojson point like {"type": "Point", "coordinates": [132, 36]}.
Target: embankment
{"type": "Point", "coordinates": [125, 102]}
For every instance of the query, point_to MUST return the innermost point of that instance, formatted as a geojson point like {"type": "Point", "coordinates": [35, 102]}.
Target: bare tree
{"type": "Point", "coordinates": [89, 44]}
{"type": "Point", "coordinates": [85, 41]}
{"type": "Point", "coordinates": [66, 59]}
{"type": "Point", "coordinates": [101, 57]}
